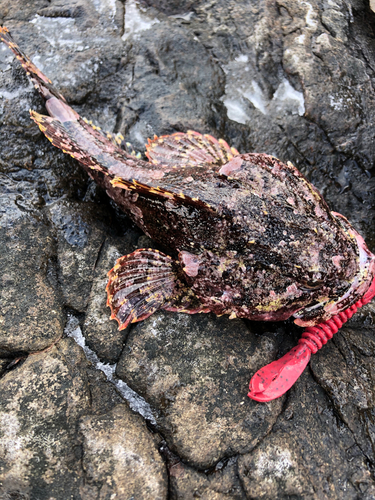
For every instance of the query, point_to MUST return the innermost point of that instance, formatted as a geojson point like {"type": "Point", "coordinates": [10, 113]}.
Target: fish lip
{"type": "Point", "coordinates": [360, 283]}
{"type": "Point", "coordinates": [365, 275]}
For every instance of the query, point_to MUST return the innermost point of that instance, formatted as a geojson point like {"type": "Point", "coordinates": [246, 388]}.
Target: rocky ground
{"type": "Point", "coordinates": [159, 411]}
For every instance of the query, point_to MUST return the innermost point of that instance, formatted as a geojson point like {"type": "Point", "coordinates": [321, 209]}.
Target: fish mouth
{"type": "Point", "coordinates": [359, 285]}
{"type": "Point", "coordinates": [364, 276]}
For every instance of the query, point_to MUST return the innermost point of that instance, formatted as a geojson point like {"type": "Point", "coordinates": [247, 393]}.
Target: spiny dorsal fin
{"type": "Point", "coordinates": [190, 149]}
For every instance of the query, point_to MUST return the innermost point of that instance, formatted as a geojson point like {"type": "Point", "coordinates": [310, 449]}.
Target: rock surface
{"type": "Point", "coordinates": [192, 370]}
{"type": "Point", "coordinates": [293, 79]}
{"type": "Point", "coordinates": [31, 312]}
{"type": "Point", "coordinates": [120, 455]}
{"type": "Point", "coordinates": [54, 442]}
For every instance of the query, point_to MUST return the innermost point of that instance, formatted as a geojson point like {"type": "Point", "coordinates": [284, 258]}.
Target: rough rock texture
{"type": "Point", "coordinates": [310, 454]}
{"type": "Point", "coordinates": [56, 440]}
{"type": "Point", "coordinates": [222, 482]}
{"type": "Point", "coordinates": [193, 371]}
{"type": "Point", "coordinates": [31, 315]}
{"type": "Point", "coordinates": [78, 246]}
{"type": "Point", "coordinates": [120, 455]}
{"type": "Point", "coordinates": [293, 79]}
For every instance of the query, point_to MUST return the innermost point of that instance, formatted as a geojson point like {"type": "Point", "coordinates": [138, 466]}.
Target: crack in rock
{"type": "Point", "coordinates": [136, 402]}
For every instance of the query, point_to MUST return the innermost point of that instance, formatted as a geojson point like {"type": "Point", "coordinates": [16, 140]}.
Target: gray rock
{"type": "Point", "coordinates": [64, 433]}
{"type": "Point", "coordinates": [350, 382]}
{"type": "Point", "coordinates": [194, 372]}
{"type": "Point", "coordinates": [311, 453]}
{"type": "Point", "coordinates": [120, 457]}
{"type": "Point", "coordinates": [81, 232]}
{"type": "Point", "coordinates": [4, 363]}
{"type": "Point", "coordinates": [173, 7]}
{"type": "Point", "coordinates": [31, 313]}
{"type": "Point", "coordinates": [221, 483]}
{"type": "Point", "coordinates": [103, 396]}
{"type": "Point", "coordinates": [40, 404]}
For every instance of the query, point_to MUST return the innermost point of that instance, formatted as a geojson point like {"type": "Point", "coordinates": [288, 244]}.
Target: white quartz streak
{"type": "Point", "coordinates": [136, 402]}
{"type": "Point", "coordinates": [136, 20]}
{"type": "Point", "coordinates": [243, 88]}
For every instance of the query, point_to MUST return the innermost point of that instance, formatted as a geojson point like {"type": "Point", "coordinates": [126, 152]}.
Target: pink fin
{"type": "Point", "coordinates": [273, 380]}
{"type": "Point", "coordinates": [140, 284]}
{"type": "Point", "coordinates": [190, 149]}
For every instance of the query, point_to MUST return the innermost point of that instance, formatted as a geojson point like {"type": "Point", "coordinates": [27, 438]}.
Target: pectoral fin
{"type": "Point", "coordinates": [140, 284]}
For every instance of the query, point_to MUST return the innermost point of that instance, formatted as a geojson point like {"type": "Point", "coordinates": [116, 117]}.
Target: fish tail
{"type": "Point", "coordinates": [55, 102]}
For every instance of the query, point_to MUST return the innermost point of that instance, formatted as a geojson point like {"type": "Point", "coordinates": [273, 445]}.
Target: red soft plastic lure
{"type": "Point", "coordinates": [274, 379]}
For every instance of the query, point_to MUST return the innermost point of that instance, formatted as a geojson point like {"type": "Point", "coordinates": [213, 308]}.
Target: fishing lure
{"type": "Point", "coordinates": [249, 236]}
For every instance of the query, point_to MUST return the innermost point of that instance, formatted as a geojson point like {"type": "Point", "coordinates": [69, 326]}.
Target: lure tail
{"type": "Point", "coordinates": [273, 380]}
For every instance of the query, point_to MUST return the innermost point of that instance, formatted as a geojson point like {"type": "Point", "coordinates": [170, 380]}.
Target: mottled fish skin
{"type": "Point", "coordinates": [262, 246]}
{"type": "Point", "coordinates": [252, 237]}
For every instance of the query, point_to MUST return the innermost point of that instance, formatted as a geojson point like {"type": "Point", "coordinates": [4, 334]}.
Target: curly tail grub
{"type": "Point", "coordinates": [273, 380]}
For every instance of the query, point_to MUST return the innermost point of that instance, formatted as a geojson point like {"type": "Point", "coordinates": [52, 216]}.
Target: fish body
{"type": "Point", "coordinates": [248, 235]}
{"type": "Point", "coordinates": [253, 239]}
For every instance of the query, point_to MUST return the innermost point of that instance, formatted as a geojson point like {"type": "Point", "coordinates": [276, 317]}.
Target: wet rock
{"type": "Point", "coordinates": [194, 372]}
{"type": "Point", "coordinates": [81, 232]}
{"type": "Point", "coordinates": [103, 395]}
{"type": "Point", "coordinates": [315, 55]}
{"type": "Point", "coordinates": [135, 401]}
{"type": "Point", "coordinates": [121, 456]}
{"type": "Point", "coordinates": [171, 8]}
{"type": "Point", "coordinates": [218, 484]}
{"type": "Point", "coordinates": [64, 432]}
{"type": "Point", "coordinates": [350, 382]}
{"type": "Point", "coordinates": [4, 362]}
{"type": "Point", "coordinates": [40, 404]}
{"type": "Point", "coordinates": [31, 311]}
{"type": "Point", "coordinates": [310, 453]}
{"type": "Point", "coordinates": [166, 94]}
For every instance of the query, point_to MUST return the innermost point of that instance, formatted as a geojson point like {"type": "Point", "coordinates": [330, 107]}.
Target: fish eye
{"type": "Point", "coordinates": [311, 285]}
